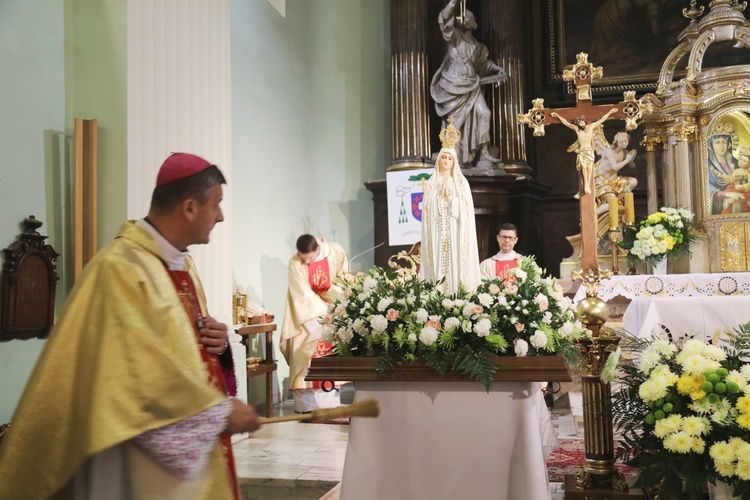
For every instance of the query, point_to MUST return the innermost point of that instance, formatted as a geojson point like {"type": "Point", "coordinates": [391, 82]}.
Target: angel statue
{"type": "Point", "coordinates": [583, 146]}
{"type": "Point", "coordinates": [614, 157]}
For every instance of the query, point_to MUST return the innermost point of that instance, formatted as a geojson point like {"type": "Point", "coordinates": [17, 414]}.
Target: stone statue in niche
{"type": "Point", "coordinates": [608, 181]}
{"type": "Point", "coordinates": [29, 279]}
{"type": "Point", "coordinates": [456, 86]}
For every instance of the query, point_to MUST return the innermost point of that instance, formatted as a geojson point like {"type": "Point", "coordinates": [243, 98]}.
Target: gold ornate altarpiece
{"type": "Point", "coordinates": [686, 113]}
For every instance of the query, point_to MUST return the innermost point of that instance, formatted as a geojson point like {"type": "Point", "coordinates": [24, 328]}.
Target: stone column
{"type": "Point", "coordinates": [502, 28]}
{"type": "Point", "coordinates": [651, 141]}
{"type": "Point", "coordinates": [686, 132]}
{"type": "Point", "coordinates": [409, 85]}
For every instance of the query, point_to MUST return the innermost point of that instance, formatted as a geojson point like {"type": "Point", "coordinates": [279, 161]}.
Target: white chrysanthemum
{"type": "Point", "coordinates": [726, 469]}
{"type": "Point", "coordinates": [428, 335]}
{"type": "Point", "coordinates": [743, 468]}
{"type": "Point", "coordinates": [737, 377]}
{"type": "Point", "coordinates": [697, 445]}
{"type": "Point", "coordinates": [538, 339]}
{"type": "Point", "coordinates": [482, 328]}
{"type": "Point", "coordinates": [666, 426]}
{"type": "Point", "coordinates": [422, 316]}
{"type": "Point", "coordinates": [379, 323]}
{"type": "Point", "coordinates": [721, 452]}
{"type": "Point", "coordinates": [679, 442]}
{"type": "Point", "coordinates": [694, 364]}
{"type": "Point", "coordinates": [369, 284]}
{"type": "Point", "coordinates": [745, 371]}
{"type": "Point", "coordinates": [521, 348]}
{"type": "Point", "coordinates": [664, 376]}
{"type": "Point", "coordinates": [741, 448]}
{"type": "Point", "coordinates": [384, 303]}
{"type": "Point", "coordinates": [485, 299]}
{"type": "Point", "coordinates": [695, 426]}
{"type": "Point", "coordinates": [651, 390]}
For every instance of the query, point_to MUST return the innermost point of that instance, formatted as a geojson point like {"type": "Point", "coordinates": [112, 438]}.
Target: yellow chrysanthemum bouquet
{"type": "Point", "coordinates": [684, 414]}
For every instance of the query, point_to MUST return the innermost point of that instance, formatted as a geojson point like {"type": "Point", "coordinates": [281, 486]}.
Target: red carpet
{"type": "Point", "coordinates": [568, 459]}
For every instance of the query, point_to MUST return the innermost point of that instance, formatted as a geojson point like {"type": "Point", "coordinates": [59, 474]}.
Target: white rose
{"type": "Point", "coordinates": [542, 301]}
{"type": "Point", "coordinates": [485, 299]}
{"type": "Point", "coordinates": [447, 304]}
{"type": "Point", "coordinates": [482, 328]}
{"type": "Point", "coordinates": [451, 324]}
{"type": "Point", "coordinates": [369, 284]}
{"type": "Point", "coordinates": [428, 336]}
{"type": "Point", "coordinates": [379, 323]}
{"type": "Point", "coordinates": [344, 335]}
{"type": "Point", "coordinates": [327, 334]}
{"type": "Point", "coordinates": [494, 289]}
{"type": "Point", "coordinates": [521, 348]}
{"type": "Point", "coordinates": [566, 329]}
{"type": "Point", "coordinates": [422, 316]}
{"type": "Point", "coordinates": [384, 303]}
{"type": "Point", "coordinates": [539, 339]}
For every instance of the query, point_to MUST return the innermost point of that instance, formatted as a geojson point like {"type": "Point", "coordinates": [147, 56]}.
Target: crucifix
{"type": "Point", "coordinates": [583, 118]}
{"type": "Point", "coordinates": [599, 474]}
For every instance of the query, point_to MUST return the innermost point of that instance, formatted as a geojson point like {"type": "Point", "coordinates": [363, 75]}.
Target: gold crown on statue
{"type": "Point", "coordinates": [724, 128]}
{"type": "Point", "coordinates": [450, 135]}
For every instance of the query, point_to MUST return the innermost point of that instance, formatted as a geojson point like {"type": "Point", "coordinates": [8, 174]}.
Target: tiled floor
{"type": "Point", "coordinates": [293, 460]}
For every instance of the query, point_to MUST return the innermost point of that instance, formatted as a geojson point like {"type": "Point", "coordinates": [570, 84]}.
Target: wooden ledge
{"type": "Point", "coordinates": [509, 369]}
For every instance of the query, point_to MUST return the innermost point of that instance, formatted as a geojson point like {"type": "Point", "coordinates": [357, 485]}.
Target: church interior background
{"type": "Point", "coordinates": [310, 102]}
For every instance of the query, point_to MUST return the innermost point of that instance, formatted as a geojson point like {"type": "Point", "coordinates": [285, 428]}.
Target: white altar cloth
{"type": "Point", "coordinates": [671, 285]}
{"type": "Point", "coordinates": [448, 440]}
{"type": "Point", "coordinates": [675, 318]}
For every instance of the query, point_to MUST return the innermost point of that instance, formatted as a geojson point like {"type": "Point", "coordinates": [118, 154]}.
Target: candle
{"type": "Point", "coordinates": [614, 215]}
{"type": "Point", "coordinates": [629, 208]}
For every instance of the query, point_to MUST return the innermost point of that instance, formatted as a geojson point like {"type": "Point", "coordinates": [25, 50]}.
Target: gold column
{"type": "Point", "coordinates": [686, 131]}
{"type": "Point", "coordinates": [502, 31]}
{"type": "Point", "coordinates": [409, 85]}
{"type": "Point", "coordinates": [652, 139]}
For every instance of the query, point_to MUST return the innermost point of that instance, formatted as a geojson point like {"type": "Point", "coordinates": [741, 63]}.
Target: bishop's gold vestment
{"type": "Point", "coordinates": [122, 359]}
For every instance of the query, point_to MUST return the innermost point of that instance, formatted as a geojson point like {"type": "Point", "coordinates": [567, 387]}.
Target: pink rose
{"type": "Point", "coordinates": [435, 324]}
{"type": "Point", "coordinates": [519, 327]}
{"type": "Point", "coordinates": [392, 314]}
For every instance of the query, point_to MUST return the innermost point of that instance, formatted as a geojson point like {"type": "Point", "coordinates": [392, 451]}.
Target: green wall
{"type": "Point", "coordinates": [310, 124]}
{"type": "Point", "coordinates": [61, 60]}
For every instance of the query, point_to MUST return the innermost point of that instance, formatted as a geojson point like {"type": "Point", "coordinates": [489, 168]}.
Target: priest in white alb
{"type": "Point", "coordinates": [312, 275]}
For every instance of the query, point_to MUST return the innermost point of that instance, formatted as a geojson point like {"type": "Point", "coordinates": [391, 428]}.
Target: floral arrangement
{"type": "Point", "coordinates": [684, 414]}
{"type": "Point", "coordinates": [399, 318]}
{"type": "Point", "coordinates": [666, 232]}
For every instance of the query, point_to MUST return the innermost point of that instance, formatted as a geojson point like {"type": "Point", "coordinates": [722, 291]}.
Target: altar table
{"type": "Point", "coordinates": [448, 440]}
{"type": "Point", "coordinates": [671, 285]}
{"type": "Point", "coordinates": [675, 318]}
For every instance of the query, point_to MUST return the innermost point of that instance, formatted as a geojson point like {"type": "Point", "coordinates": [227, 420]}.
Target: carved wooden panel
{"type": "Point", "coordinates": [29, 279]}
{"type": "Point", "coordinates": [735, 241]}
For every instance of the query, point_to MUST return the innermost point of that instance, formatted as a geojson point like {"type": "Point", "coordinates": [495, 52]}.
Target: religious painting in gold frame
{"type": "Point", "coordinates": [629, 44]}
{"type": "Point", "coordinates": [725, 150]}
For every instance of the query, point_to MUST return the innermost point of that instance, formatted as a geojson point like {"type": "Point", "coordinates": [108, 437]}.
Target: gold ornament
{"type": "Point", "coordinates": [450, 135]}
{"type": "Point", "coordinates": [592, 311]}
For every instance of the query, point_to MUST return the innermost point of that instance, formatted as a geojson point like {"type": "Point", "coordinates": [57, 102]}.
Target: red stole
{"type": "Point", "coordinates": [319, 278]}
{"type": "Point", "coordinates": [189, 298]}
{"type": "Point", "coordinates": [502, 269]}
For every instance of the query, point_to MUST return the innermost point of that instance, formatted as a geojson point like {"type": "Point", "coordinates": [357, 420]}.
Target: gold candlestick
{"type": "Point", "coordinates": [614, 238]}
